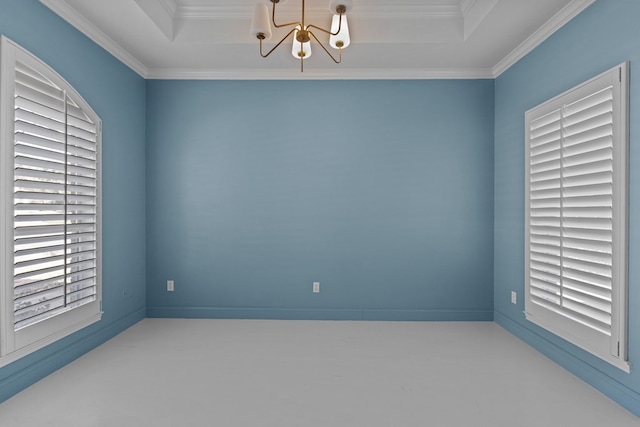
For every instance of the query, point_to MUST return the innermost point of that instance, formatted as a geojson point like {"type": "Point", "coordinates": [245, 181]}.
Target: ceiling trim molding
{"type": "Point", "coordinates": [475, 11]}
{"type": "Point", "coordinates": [319, 74]}
{"type": "Point", "coordinates": [363, 11]}
{"type": "Point", "coordinates": [213, 12]}
{"type": "Point", "coordinates": [569, 12]}
{"type": "Point", "coordinates": [66, 12]}
{"type": "Point", "coordinates": [413, 11]}
{"type": "Point", "coordinates": [161, 13]}
{"type": "Point", "coordinates": [169, 6]}
{"type": "Point", "coordinates": [466, 5]}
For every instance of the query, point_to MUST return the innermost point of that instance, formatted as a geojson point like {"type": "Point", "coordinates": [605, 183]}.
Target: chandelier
{"type": "Point", "coordinates": [303, 32]}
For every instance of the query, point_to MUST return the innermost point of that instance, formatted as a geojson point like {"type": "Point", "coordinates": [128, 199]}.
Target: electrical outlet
{"type": "Point", "coordinates": [169, 285]}
{"type": "Point", "coordinates": [316, 287]}
{"type": "Point", "coordinates": [514, 297]}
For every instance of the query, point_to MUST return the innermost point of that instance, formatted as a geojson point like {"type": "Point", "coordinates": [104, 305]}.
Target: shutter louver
{"type": "Point", "coordinates": [588, 193]}
{"type": "Point", "coordinates": [55, 201]}
{"type": "Point", "coordinates": [545, 205]}
{"type": "Point", "coordinates": [570, 200]}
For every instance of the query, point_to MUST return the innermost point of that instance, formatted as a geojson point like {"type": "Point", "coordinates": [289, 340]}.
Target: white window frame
{"type": "Point", "coordinates": [15, 344]}
{"type": "Point", "coordinates": [609, 345]}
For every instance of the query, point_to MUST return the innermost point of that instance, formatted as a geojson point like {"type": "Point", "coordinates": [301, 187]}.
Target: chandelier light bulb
{"type": "Point", "coordinates": [299, 49]}
{"type": "Point", "coordinates": [342, 39]}
{"type": "Point", "coordinates": [260, 26]}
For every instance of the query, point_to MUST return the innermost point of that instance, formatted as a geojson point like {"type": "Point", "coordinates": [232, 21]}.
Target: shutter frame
{"type": "Point", "coordinates": [85, 187]}
{"type": "Point", "coordinates": [567, 293]}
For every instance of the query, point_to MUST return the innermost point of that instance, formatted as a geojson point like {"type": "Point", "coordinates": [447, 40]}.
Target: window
{"type": "Point", "coordinates": [49, 206]}
{"type": "Point", "coordinates": [576, 215]}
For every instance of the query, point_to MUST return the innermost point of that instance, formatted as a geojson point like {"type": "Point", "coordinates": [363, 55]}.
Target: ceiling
{"type": "Point", "coordinates": [403, 39]}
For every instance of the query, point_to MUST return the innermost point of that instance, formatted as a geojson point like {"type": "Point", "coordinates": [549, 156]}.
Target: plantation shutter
{"type": "Point", "coordinates": [54, 201]}
{"type": "Point", "coordinates": [576, 216]}
{"type": "Point", "coordinates": [51, 199]}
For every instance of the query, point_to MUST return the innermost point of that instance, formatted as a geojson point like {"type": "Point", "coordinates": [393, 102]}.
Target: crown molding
{"type": "Point", "coordinates": [569, 12]}
{"type": "Point", "coordinates": [66, 12]}
{"type": "Point", "coordinates": [319, 74]}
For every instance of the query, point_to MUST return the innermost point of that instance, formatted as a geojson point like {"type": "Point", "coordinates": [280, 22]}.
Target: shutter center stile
{"type": "Point", "coordinates": [562, 144]}
{"type": "Point", "coordinates": [66, 197]}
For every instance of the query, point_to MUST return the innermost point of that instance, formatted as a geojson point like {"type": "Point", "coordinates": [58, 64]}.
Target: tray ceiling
{"type": "Point", "coordinates": [408, 39]}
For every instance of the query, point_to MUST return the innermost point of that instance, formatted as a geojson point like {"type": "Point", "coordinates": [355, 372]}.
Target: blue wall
{"type": "Point", "coordinates": [382, 191]}
{"type": "Point", "coordinates": [403, 198]}
{"type": "Point", "coordinates": [601, 37]}
{"type": "Point", "coordinates": [117, 95]}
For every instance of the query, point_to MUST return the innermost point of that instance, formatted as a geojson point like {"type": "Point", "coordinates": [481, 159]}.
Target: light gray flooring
{"type": "Point", "coordinates": [172, 372]}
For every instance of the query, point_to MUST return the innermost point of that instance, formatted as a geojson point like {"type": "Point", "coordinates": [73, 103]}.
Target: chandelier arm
{"type": "Point", "coordinates": [337, 61]}
{"type": "Point", "coordinates": [327, 31]}
{"type": "Point", "coordinates": [276, 46]}
{"type": "Point", "coordinates": [273, 19]}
